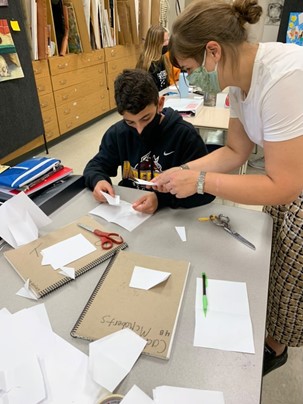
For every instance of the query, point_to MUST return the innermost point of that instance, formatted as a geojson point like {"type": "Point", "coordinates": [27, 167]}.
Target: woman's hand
{"type": "Point", "coordinates": [105, 187]}
{"type": "Point", "coordinates": [182, 183]}
{"type": "Point", "coordinates": [147, 203]}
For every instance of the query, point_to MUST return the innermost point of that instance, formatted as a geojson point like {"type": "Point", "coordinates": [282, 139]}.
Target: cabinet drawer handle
{"type": "Point", "coordinates": [43, 105]}
{"type": "Point", "coordinates": [41, 88]}
{"type": "Point", "coordinates": [112, 52]}
{"type": "Point", "coordinates": [37, 71]}
{"type": "Point", "coordinates": [68, 125]}
{"type": "Point", "coordinates": [49, 134]}
{"type": "Point", "coordinates": [62, 82]}
{"type": "Point", "coordinates": [66, 111]}
{"type": "Point", "coordinates": [64, 97]}
{"type": "Point", "coordinates": [62, 66]}
{"type": "Point", "coordinates": [47, 120]}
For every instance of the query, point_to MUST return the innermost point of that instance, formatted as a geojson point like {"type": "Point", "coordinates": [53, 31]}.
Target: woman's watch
{"type": "Point", "coordinates": [201, 182]}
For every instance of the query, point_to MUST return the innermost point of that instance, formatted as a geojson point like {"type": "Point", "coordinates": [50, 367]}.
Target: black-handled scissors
{"type": "Point", "coordinates": [107, 239]}
{"type": "Point", "coordinates": [223, 221]}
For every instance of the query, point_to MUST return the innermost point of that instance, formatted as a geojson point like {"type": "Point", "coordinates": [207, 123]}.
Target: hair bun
{"type": "Point", "coordinates": [247, 11]}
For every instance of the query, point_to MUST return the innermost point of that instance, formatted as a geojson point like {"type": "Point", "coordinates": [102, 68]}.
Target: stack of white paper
{"type": "Point", "coordinates": [37, 366]}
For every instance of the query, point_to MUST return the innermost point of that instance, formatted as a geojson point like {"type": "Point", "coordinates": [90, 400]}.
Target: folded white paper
{"type": "Point", "coordinates": [111, 200]}
{"type": "Point", "coordinates": [20, 220]}
{"type": "Point", "coordinates": [145, 278]}
{"type": "Point", "coordinates": [109, 361]}
{"type": "Point", "coordinates": [227, 324]}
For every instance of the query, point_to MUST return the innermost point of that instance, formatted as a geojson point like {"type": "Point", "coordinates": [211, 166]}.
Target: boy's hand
{"type": "Point", "coordinates": [147, 203]}
{"type": "Point", "coordinates": [105, 187]}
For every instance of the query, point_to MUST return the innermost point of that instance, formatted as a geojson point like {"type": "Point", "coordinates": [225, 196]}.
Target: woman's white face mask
{"type": "Point", "coordinates": [207, 81]}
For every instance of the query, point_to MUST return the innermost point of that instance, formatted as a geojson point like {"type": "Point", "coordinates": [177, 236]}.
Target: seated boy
{"type": "Point", "coordinates": [147, 141]}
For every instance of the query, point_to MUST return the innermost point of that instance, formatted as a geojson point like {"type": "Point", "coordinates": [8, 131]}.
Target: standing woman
{"type": "Point", "coordinates": [265, 82]}
{"type": "Point", "coordinates": [153, 58]}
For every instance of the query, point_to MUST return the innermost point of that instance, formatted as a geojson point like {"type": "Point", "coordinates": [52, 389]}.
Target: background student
{"type": "Point", "coordinates": [148, 140]}
{"type": "Point", "coordinates": [209, 40]}
{"type": "Point", "coordinates": [154, 57]}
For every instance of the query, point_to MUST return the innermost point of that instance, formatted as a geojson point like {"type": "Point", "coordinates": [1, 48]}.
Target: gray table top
{"type": "Point", "coordinates": [208, 249]}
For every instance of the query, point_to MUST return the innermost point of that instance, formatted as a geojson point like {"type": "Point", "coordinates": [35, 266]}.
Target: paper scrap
{"type": "Point", "coordinates": [112, 200]}
{"type": "Point", "coordinates": [181, 231]}
{"type": "Point", "coordinates": [227, 325]}
{"type": "Point", "coordinates": [25, 291]}
{"type": "Point", "coordinates": [181, 395]}
{"type": "Point", "coordinates": [145, 278]}
{"type": "Point", "coordinates": [20, 218]}
{"type": "Point", "coordinates": [144, 182]}
{"type": "Point", "coordinates": [109, 361]}
{"type": "Point", "coordinates": [60, 254]}
{"type": "Point", "coordinates": [70, 272]}
{"type": "Point", "coordinates": [136, 396]}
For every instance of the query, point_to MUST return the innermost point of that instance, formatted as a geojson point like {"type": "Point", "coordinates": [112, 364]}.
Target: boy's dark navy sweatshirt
{"type": "Point", "coordinates": [174, 142]}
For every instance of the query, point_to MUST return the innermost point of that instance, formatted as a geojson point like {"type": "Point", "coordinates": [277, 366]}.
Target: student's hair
{"type": "Point", "coordinates": [212, 20]}
{"type": "Point", "coordinates": [134, 90]}
{"type": "Point", "coordinates": [152, 51]}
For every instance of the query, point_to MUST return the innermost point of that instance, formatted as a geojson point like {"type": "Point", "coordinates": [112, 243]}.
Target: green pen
{"type": "Point", "coordinates": [204, 297]}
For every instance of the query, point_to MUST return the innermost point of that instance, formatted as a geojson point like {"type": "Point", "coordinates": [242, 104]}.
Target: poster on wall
{"type": "Point", "coordinates": [274, 12]}
{"type": "Point", "coordinates": [10, 67]}
{"type": "Point", "coordinates": [294, 32]}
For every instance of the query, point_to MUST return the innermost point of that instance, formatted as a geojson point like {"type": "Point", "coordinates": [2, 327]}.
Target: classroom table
{"type": "Point", "coordinates": [208, 248]}
{"type": "Point", "coordinates": [208, 117]}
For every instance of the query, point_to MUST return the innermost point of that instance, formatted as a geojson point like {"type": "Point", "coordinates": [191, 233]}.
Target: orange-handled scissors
{"type": "Point", "coordinates": [107, 239]}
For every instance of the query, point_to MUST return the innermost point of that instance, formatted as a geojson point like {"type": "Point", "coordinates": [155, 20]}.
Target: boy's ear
{"type": "Point", "coordinates": [161, 103]}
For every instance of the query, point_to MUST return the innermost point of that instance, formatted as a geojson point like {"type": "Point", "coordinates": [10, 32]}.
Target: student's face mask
{"type": "Point", "coordinates": [207, 81]}
{"type": "Point", "coordinates": [151, 129]}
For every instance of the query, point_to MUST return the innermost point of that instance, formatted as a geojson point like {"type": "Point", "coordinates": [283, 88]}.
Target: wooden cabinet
{"type": "Point", "coordinates": [46, 99]}
{"type": "Point", "coordinates": [116, 59]}
{"type": "Point", "coordinates": [80, 88]}
{"type": "Point", "coordinates": [77, 88]}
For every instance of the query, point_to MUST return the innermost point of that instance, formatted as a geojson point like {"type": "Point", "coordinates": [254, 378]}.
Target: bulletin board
{"type": "Point", "coordinates": [20, 114]}
{"type": "Point", "coordinates": [289, 6]}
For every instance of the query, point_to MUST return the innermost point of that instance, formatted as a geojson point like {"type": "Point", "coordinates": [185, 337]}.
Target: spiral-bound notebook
{"type": "Point", "coordinates": [153, 313]}
{"type": "Point", "coordinates": [26, 260]}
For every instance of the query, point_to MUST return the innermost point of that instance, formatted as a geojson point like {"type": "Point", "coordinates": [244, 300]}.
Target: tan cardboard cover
{"type": "Point", "coordinates": [152, 313]}
{"type": "Point", "coordinates": [26, 260]}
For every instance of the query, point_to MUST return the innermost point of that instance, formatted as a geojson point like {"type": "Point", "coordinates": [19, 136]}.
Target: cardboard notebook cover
{"type": "Point", "coordinates": [26, 260]}
{"type": "Point", "coordinates": [153, 313]}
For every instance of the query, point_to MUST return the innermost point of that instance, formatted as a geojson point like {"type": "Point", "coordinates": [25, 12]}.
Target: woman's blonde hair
{"type": "Point", "coordinates": [211, 20]}
{"type": "Point", "coordinates": [152, 51]}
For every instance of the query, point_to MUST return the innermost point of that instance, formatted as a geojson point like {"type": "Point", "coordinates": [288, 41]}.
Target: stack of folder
{"type": "Point", "coordinates": [31, 176]}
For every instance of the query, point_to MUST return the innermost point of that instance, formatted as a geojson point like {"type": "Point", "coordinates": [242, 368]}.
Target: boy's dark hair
{"type": "Point", "coordinates": [134, 90]}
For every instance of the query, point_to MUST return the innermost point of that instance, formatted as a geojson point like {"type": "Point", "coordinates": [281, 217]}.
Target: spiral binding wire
{"type": "Point", "coordinates": [80, 271]}
{"type": "Point", "coordinates": [73, 332]}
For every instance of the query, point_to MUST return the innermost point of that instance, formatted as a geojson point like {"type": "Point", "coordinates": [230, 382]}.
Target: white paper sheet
{"type": "Point", "coordinates": [109, 361]}
{"type": "Point", "coordinates": [227, 325]}
{"type": "Point", "coordinates": [145, 278]}
{"type": "Point", "coordinates": [136, 396]}
{"type": "Point", "coordinates": [61, 254]}
{"type": "Point", "coordinates": [20, 219]}
{"type": "Point", "coordinates": [123, 215]}
{"type": "Point", "coordinates": [180, 395]}
{"type": "Point", "coordinates": [64, 368]}
{"type": "Point", "coordinates": [111, 200]}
